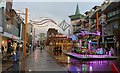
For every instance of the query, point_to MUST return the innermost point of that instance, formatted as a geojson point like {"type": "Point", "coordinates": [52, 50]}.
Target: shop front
{"type": "Point", "coordinates": [4, 43]}
{"type": "Point", "coordinates": [9, 45]}
{"type": "Point", "coordinates": [0, 42]}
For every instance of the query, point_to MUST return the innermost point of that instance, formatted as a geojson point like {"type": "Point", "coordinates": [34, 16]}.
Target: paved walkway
{"type": "Point", "coordinates": [37, 61]}
{"type": "Point", "coordinates": [9, 63]}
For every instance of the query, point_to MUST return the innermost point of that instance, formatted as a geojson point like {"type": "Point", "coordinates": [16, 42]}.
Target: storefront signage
{"type": "Point", "coordinates": [9, 41]}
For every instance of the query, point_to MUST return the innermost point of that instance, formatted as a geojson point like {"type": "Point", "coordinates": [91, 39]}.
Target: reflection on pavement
{"type": "Point", "coordinates": [73, 64]}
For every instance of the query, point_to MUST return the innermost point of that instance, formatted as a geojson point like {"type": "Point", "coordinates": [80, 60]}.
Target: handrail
{"type": "Point", "coordinates": [114, 69]}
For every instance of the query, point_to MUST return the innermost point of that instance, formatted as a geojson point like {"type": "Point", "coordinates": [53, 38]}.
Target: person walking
{"type": "Point", "coordinates": [41, 49]}
{"type": "Point", "coordinates": [2, 49]}
{"type": "Point", "coordinates": [112, 51]}
{"type": "Point", "coordinates": [18, 53]}
{"type": "Point", "coordinates": [107, 50]}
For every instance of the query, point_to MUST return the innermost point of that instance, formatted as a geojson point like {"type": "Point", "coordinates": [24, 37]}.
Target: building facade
{"type": "Point", "coordinates": [1, 24]}
{"type": "Point", "coordinates": [42, 38]}
{"type": "Point", "coordinates": [50, 32]}
{"type": "Point", "coordinates": [108, 23]}
{"type": "Point", "coordinates": [74, 21]}
{"type": "Point", "coordinates": [29, 33]}
{"type": "Point", "coordinates": [112, 28]}
{"type": "Point", "coordinates": [59, 40]}
{"type": "Point", "coordinates": [11, 26]}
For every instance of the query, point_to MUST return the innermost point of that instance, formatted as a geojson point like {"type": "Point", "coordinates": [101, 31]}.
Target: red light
{"type": "Point", "coordinates": [9, 41]}
{"type": "Point", "coordinates": [12, 36]}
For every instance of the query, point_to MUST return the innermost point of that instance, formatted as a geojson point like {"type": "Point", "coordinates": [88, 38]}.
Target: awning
{"type": "Point", "coordinates": [19, 41]}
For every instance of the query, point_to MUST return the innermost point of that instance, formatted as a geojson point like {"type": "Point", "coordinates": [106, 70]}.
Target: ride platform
{"type": "Point", "coordinates": [90, 57]}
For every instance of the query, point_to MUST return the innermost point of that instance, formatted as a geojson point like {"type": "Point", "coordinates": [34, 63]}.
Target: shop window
{"type": "Point", "coordinates": [109, 14]}
{"type": "Point", "coordinates": [115, 25]}
{"type": "Point", "coordinates": [117, 11]}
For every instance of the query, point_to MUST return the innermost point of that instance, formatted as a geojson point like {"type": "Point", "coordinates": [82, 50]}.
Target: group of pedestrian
{"type": "Point", "coordinates": [41, 48]}
{"type": "Point", "coordinates": [58, 48]}
{"type": "Point", "coordinates": [29, 48]}
{"type": "Point", "coordinates": [7, 52]}
{"type": "Point", "coordinates": [110, 51]}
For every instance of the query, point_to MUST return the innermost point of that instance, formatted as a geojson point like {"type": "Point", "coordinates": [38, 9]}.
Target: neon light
{"type": "Point", "coordinates": [80, 44]}
{"type": "Point", "coordinates": [85, 32]}
{"type": "Point", "coordinates": [68, 58]}
{"type": "Point", "coordinates": [91, 68]}
{"type": "Point", "coordinates": [89, 44]}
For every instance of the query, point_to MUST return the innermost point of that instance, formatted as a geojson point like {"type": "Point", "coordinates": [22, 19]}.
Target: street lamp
{"type": "Point", "coordinates": [103, 22]}
{"type": "Point", "coordinates": [25, 31]}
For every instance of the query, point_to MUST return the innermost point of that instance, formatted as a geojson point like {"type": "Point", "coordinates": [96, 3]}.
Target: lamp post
{"type": "Point", "coordinates": [25, 31]}
{"type": "Point", "coordinates": [97, 23]}
{"type": "Point", "coordinates": [103, 22]}
{"type": "Point", "coordinates": [34, 23]}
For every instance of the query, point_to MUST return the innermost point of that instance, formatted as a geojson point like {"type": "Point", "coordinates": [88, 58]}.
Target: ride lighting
{"type": "Point", "coordinates": [20, 45]}
{"type": "Point", "coordinates": [91, 69]}
{"type": "Point", "coordinates": [68, 58]}
{"type": "Point", "coordinates": [89, 41]}
{"type": "Point", "coordinates": [30, 70]}
{"type": "Point", "coordinates": [3, 42]}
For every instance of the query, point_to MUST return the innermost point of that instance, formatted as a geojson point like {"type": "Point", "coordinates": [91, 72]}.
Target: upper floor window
{"type": "Point", "coordinates": [117, 11]}
{"type": "Point", "coordinates": [115, 25]}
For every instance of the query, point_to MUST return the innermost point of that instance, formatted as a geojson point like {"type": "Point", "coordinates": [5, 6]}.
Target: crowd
{"type": "Point", "coordinates": [14, 51]}
{"type": "Point", "coordinates": [57, 50]}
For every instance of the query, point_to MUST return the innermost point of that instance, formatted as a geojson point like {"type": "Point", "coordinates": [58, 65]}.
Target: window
{"type": "Point", "coordinates": [113, 13]}
{"type": "Point", "coordinates": [108, 15]}
{"type": "Point", "coordinates": [114, 25]}
{"type": "Point", "coordinates": [117, 11]}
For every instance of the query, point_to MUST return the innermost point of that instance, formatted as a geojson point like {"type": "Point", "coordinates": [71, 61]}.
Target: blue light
{"type": "Point", "coordinates": [73, 37]}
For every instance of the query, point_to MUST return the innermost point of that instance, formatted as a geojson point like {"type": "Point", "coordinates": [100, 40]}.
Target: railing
{"type": "Point", "coordinates": [11, 29]}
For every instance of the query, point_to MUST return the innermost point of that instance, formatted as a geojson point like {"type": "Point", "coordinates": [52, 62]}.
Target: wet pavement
{"type": "Point", "coordinates": [57, 61]}
{"type": "Point", "coordinates": [7, 64]}
{"type": "Point", "coordinates": [37, 61]}
{"type": "Point", "coordinates": [75, 65]}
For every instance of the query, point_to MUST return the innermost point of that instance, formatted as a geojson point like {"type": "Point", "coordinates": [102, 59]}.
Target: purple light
{"type": "Point", "coordinates": [85, 32]}
{"type": "Point", "coordinates": [89, 44]}
{"type": "Point", "coordinates": [80, 44]}
{"type": "Point", "coordinates": [98, 33]}
{"type": "Point", "coordinates": [89, 56]}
